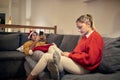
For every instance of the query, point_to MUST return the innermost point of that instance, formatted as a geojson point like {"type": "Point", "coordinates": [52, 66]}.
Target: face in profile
{"type": "Point", "coordinates": [83, 28]}
{"type": "Point", "coordinates": [33, 36]}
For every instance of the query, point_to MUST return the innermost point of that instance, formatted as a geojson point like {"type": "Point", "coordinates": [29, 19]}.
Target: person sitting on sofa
{"type": "Point", "coordinates": [83, 59]}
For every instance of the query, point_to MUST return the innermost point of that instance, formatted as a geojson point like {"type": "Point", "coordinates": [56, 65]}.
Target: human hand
{"type": "Point", "coordinates": [66, 54]}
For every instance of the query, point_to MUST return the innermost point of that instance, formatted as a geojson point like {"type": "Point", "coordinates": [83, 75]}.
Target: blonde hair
{"type": "Point", "coordinates": [86, 19]}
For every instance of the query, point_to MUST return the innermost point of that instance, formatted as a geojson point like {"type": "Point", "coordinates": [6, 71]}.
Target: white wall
{"type": "Point", "coordinates": [14, 8]}
{"type": "Point", "coordinates": [22, 11]}
{"type": "Point", "coordinates": [4, 7]}
{"type": "Point", "coordinates": [63, 13]}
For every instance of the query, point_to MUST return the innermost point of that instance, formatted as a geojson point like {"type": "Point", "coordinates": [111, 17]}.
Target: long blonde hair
{"type": "Point", "coordinates": [86, 19]}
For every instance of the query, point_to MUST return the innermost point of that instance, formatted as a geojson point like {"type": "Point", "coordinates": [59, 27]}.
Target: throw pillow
{"type": "Point", "coordinates": [20, 49]}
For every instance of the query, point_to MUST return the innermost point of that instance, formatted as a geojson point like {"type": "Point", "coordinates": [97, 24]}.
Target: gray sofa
{"type": "Point", "coordinates": [11, 61]}
{"type": "Point", "coordinates": [16, 64]}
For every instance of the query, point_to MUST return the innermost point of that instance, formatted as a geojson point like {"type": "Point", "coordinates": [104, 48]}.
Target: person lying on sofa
{"type": "Point", "coordinates": [36, 46]}
{"type": "Point", "coordinates": [34, 40]}
{"type": "Point", "coordinates": [83, 59]}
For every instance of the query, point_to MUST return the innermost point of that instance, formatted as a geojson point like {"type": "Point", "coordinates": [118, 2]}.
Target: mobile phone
{"type": "Point", "coordinates": [41, 33]}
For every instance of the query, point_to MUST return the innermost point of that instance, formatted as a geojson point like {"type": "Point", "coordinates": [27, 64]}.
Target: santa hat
{"type": "Point", "coordinates": [30, 33]}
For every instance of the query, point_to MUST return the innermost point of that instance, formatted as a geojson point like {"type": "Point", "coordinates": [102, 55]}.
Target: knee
{"type": "Point", "coordinates": [51, 49]}
{"type": "Point", "coordinates": [47, 57]}
{"type": "Point", "coordinates": [37, 55]}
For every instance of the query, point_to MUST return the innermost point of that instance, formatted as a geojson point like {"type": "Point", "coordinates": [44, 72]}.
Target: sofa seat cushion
{"type": "Point", "coordinates": [11, 64]}
{"type": "Point", "coordinates": [11, 55]}
{"type": "Point", "coordinates": [94, 76]}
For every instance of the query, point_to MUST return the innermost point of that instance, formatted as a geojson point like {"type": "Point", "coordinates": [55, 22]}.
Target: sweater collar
{"type": "Point", "coordinates": [89, 34]}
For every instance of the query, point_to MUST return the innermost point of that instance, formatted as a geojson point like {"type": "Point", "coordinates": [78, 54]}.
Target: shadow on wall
{"type": "Point", "coordinates": [116, 25]}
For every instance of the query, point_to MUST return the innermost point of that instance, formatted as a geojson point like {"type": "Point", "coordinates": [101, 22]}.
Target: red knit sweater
{"type": "Point", "coordinates": [88, 51]}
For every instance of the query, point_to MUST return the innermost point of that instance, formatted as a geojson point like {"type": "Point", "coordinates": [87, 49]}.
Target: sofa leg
{"type": "Point", "coordinates": [31, 77]}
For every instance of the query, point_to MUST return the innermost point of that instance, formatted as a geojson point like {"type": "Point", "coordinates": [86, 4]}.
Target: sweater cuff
{"type": "Point", "coordinates": [70, 55]}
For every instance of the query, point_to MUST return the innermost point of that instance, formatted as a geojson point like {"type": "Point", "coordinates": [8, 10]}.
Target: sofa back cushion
{"type": "Point", "coordinates": [54, 38]}
{"type": "Point", "coordinates": [69, 42]}
{"type": "Point", "coordinates": [9, 42]}
{"type": "Point", "coordinates": [23, 38]}
{"type": "Point", "coordinates": [111, 55]}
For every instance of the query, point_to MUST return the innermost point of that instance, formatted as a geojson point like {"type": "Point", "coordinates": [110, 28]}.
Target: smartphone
{"type": "Point", "coordinates": [41, 33]}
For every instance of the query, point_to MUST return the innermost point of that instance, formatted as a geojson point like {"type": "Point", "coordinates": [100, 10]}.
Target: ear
{"type": "Point", "coordinates": [88, 24]}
